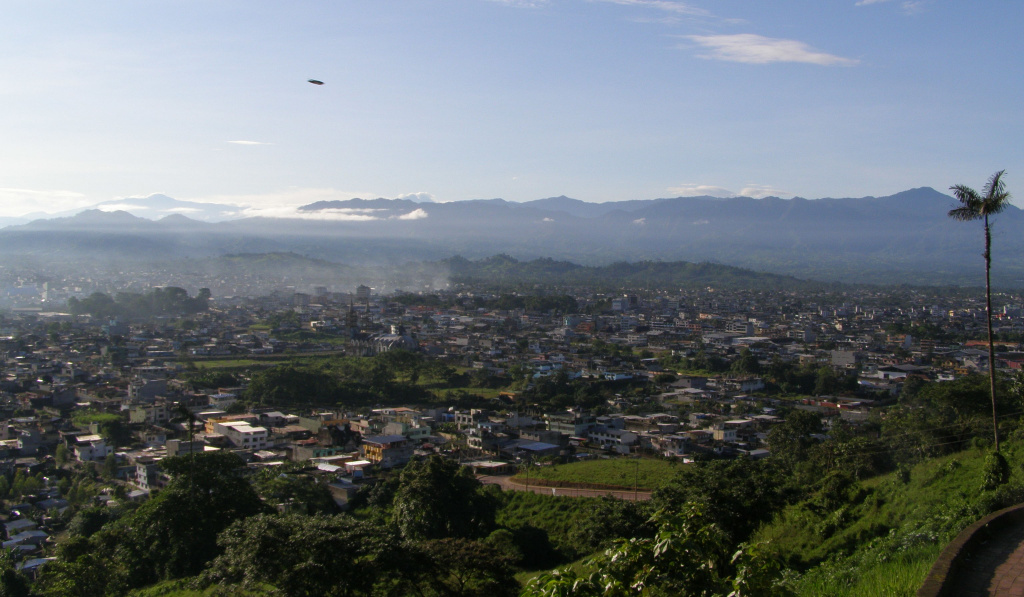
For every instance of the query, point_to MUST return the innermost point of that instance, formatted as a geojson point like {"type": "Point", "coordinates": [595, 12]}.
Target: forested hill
{"type": "Point", "coordinates": [504, 271]}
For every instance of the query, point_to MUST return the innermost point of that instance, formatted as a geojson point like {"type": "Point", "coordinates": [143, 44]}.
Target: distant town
{"type": "Point", "coordinates": [92, 383]}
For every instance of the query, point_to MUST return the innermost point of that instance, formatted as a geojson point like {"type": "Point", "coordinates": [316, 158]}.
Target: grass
{"type": "Point", "coordinates": [262, 361]}
{"type": "Point", "coordinates": [647, 474]}
{"type": "Point", "coordinates": [557, 515]}
{"type": "Point", "coordinates": [884, 539]}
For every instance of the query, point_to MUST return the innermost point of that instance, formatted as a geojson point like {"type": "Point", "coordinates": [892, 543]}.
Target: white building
{"type": "Point", "coordinates": [91, 447]}
{"type": "Point", "coordinates": [243, 435]}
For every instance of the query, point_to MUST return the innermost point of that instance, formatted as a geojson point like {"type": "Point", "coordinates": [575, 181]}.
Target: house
{"type": "Point", "coordinates": [521, 448]}
{"type": "Point", "coordinates": [387, 450]}
{"type": "Point", "coordinates": [17, 526]}
{"type": "Point", "coordinates": [571, 423]}
{"type": "Point", "coordinates": [89, 448]}
{"type": "Point", "coordinates": [612, 437]}
{"type": "Point", "coordinates": [32, 537]}
{"type": "Point", "coordinates": [243, 435]}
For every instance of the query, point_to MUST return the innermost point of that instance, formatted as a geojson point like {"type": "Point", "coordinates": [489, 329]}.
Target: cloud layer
{"type": "Point", "coordinates": [756, 49]}
{"type": "Point", "coordinates": [756, 191]}
{"type": "Point", "coordinates": [679, 8]}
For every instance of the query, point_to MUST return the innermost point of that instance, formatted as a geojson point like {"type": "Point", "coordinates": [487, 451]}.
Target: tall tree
{"type": "Point", "coordinates": [438, 498]}
{"type": "Point", "coordinates": [974, 206]}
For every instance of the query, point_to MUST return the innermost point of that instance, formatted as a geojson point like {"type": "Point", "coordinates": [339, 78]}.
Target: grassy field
{"type": "Point", "coordinates": [646, 473]}
{"type": "Point", "coordinates": [557, 515]}
{"type": "Point", "coordinates": [262, 361]}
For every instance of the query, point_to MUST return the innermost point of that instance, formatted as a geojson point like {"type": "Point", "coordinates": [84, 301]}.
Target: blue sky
{"type": "Point", "coordinates": [463, 99]}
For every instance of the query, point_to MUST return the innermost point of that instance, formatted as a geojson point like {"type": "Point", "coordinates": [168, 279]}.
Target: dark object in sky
{"type": "Point", "coordinates": [315, 82]}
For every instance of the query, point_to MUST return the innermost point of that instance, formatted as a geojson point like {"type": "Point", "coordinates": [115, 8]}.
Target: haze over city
{"type": "Point", "coordinates": [597, 100]}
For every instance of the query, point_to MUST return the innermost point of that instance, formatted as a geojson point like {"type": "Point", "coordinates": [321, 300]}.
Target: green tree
{"type": "Point", "coordinates": [457, 567]}
{"type": "Point", "coordinates": [89, 521]}
{"type": "Point", "coordinates": [110, 466]}
{"type": "Point", "coordinates": [735, 495]}
{"type": "Point", "coordinates": [609, 519]}
{"type": "Point", "coordinates": [294, 489]}
{"type": "Point", "coordinates": [438, 498]}
{"type": "Point", "coordinates": [171, 536]}
{"type": "Point", "coordinates": [790, 441]}
{"type": "Point", "coordinates": [825, 381]}
{"type": "Point", "coordinates": [305, 556]}
{"type": "Point", "coordinates": [689, 555]}
{"type": "Point", "coordinates": [746, 364]}
{"type": "Point", "coordinates": [980, 206]}
{"type": "Point", "coordinates": [12, 583]}
{"type": "Point", "coordinates": [60, 456]}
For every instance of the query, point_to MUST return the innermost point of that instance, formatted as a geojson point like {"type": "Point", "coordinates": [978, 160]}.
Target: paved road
{"type": "Point", "coordinates": [996, 569]}
{"type": "Point", "coordinates": [507, 485]}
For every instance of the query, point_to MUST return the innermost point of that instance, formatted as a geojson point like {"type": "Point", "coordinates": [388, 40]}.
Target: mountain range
{"type": "Point", "coordinates": [905, 238]}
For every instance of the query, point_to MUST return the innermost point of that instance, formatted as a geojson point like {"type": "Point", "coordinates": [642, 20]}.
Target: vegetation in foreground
{"type": "Point", "coordinates": [717, 527]}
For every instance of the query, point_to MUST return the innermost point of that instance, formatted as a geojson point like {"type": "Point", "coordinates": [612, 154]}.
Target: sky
{"type": "Point", "coordinates": [447, 100]}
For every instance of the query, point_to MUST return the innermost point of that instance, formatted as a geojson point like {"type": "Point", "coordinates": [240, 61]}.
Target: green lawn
{"type": "Point", "coordinates": [646, 473]}
{"type": "Point", "coordinates": [241, 362]}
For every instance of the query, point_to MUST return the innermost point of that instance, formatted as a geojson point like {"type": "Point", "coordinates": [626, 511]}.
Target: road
{"type": "Point", "coordinates": [506, 484]}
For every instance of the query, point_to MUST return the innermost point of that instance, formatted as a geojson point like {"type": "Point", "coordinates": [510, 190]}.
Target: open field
{"type": "Point", "coordinates": [643, 473]}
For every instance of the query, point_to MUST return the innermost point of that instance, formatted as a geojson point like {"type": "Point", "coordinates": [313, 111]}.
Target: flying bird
{"type": "Point", "coordinates": [315, 82]}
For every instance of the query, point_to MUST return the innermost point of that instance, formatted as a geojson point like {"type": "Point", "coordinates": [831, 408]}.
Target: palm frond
{"type": "Point", "coordinates": [996, 197]}
{"type": "Point", "coordinates": [995, 184]}
{"type": "Point", "coordinates": [970, 203]}
{"type": "Point", "coordinates": [965, 194]}
{"type": "Point", "coordinates": [964, 214]}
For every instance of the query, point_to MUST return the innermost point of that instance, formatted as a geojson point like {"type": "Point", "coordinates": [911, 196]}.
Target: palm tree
{"type": "Point", "coordinates": [974, 206]}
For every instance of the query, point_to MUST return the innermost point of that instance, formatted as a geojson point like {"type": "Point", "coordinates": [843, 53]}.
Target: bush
{"type": "Point", "coordinates": [995, 473]}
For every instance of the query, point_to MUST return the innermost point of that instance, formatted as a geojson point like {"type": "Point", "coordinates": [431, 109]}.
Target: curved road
{"type": "Point", "coordinates": [506, 484]}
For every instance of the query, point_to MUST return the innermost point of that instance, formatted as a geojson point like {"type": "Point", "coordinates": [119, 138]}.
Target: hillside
{"type": "Point", "coordinates": [881, 536]}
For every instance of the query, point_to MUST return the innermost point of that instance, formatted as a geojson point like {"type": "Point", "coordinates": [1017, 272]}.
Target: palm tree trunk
{"type": "Point", "coordinates": [991, 344]}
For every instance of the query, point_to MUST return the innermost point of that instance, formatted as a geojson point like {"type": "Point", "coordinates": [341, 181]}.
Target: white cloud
{"type": "Point", "coordinates": [416, 214]}
{"type": "Point", "coordinates": [250, 143]}
{"type": "Point", "coordinates": [757, 191]}
{"type": "Point", "coordinates": [756, 49]}
{"type": "Point", "coordinates": [418, 197]}
{"type": "Point", "coordinates": [700, 190]}
{"type": "Point", "coordinates": [640, 221]}
{"type": "Point", "coordinates": [290, 211]}
{"type": "Point", "coordinates": [548, 220]}
{"type": "Point", "coordinates": [760, 191]}
{"type": "Point", "coordinates": [17, 202]}
{"type": "Point", "coordinates": [121, 207]}
{"type": "Point", "coordinates": [909, 7]}
{"type": "Point", "coordinates": [522, 3]}
{"type": "Point", "coordinates": [912, 7]}
{"type": "Point", "coordinates": [680, 8]}
{"type": "Point", "coordinates": [285, 204]}
{"type": "Point", "coordinates": [285, 199]}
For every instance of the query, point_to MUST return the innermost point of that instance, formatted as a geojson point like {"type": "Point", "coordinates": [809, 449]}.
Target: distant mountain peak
{"type": "Point", "coordinates": [106, 216]}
